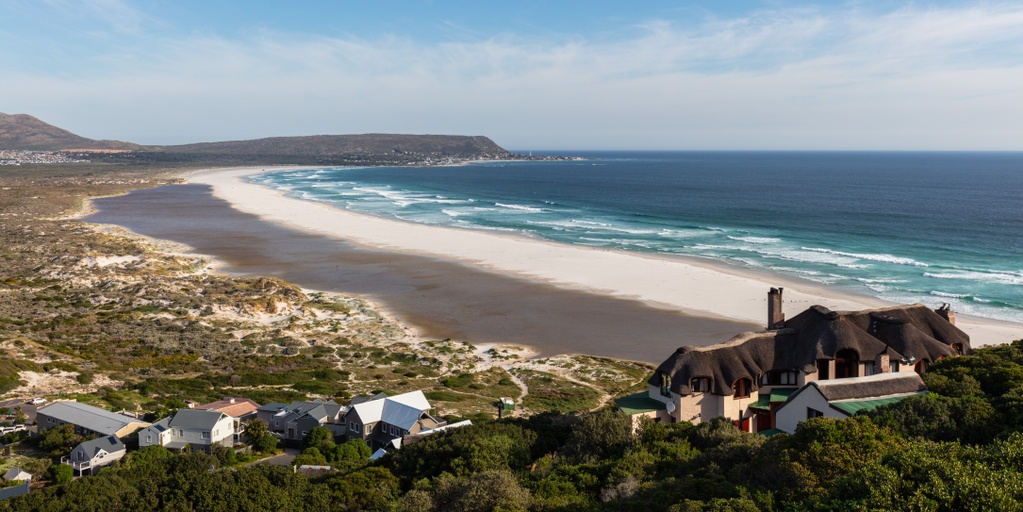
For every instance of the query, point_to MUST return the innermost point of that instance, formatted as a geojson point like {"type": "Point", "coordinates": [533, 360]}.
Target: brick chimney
{"type": "Point", "coordinates": [946, 312]}
{"type": "Point", "coordinates": [775, 316]}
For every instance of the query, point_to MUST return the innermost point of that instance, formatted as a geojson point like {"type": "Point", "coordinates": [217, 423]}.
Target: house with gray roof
{"type": "Point", "coordinates": [382, 420]}
{"type": "Point", "coordinates": [199, 430]}
{"type": "Point", "coordinates": [841, 398]}
{"type": "Point", "coordinates": [278, 415]}
{"type": "Point", "coordinates": [16, 475]}
{"type": "Point", "coordinates": [88, 420]}
{"type": "Point", "coordinates": [89, 456]}
{"type": "Point", "coordinates": [298, 422]}
{"type": "Point", "coordinates": [748, 377]}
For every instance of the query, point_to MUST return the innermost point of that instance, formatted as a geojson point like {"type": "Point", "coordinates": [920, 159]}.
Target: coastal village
{"type": "Point", "coordinates": [137, 375]}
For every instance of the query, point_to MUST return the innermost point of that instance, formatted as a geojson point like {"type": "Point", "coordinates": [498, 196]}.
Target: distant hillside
{"type": "Point", "coordinates": [379, 145]}
{"type": "Point", "coordinates": [22, 131]}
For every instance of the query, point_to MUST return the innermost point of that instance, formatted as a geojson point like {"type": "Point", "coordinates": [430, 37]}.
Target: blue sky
{"type": "Point", "coordinates": [531, 75]}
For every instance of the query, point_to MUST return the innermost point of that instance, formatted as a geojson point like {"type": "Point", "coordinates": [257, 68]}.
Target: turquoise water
{"type": "Point", "coordinates": [903, 227]}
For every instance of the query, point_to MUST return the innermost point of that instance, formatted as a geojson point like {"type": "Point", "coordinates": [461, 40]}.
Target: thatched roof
{"type": "Point", "coordinates": [818, 333]}
{"type": "Point", "coordinates": [884, 384]}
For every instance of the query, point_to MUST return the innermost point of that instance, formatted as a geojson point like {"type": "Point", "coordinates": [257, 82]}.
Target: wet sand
{"type": "Point", "coordinates": [440, 298]}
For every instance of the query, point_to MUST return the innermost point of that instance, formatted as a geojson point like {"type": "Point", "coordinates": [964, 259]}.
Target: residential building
{"type": "Point", "coordinates": [747, 378]}
{"type": "Point", "coordinates": [16, 475]}
{"type": "Point", "coordinates": [298, 422]}
{"type": "Point", "coordinates": [198, 430]}
{"type": "Point", "coordinates": [88, 420]}
{"type": "Point", "coordinates": [91, 455]}
{"type": "Point", "coordinates": [278, 415]}
{"type": "Point", "coordinates": [383, 419]}
{"type": "Point", "coordinates": [841, 398]}
{"type": "Point", "coordinates": [242, 410]}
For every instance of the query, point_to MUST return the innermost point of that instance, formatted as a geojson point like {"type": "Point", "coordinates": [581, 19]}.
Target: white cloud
{"type": "Point", "coordinates": [816, 79]}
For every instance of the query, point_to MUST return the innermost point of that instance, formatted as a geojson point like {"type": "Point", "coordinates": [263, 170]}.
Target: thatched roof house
{"type": "Point", "coordinates": [906, 334]}
{"type": "Point", "coordinates": [750, 376]}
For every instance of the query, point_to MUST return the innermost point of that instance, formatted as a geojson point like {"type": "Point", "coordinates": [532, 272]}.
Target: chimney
{"type": "Point", "coordinates": [775, 317]}
{"type": "Point", "coordinates": [946, 312]}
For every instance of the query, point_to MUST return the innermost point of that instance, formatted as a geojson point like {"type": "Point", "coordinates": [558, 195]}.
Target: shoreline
{"type": "Point", "coordinates": [692, 287]}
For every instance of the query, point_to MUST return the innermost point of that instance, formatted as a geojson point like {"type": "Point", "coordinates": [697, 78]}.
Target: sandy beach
{"type": "Point", "coordinates": [692, 287]}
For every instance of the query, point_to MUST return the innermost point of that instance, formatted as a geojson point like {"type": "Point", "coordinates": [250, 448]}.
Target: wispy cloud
{"type": "Point", "coordinates": [915, 77]}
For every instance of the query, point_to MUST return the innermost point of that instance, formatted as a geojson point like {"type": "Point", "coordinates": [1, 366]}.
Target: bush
{"type": "Point", "coordinates": [61, 473]}
{"type": "Point", "coordinates": [265, 443]}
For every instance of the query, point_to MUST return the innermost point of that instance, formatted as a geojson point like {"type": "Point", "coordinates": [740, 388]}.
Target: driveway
{"type": "Point", "coordinates": [283, 459]}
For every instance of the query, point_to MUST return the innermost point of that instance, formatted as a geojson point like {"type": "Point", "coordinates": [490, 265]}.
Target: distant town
{"type": "Point", "coordinates": [19, 157]}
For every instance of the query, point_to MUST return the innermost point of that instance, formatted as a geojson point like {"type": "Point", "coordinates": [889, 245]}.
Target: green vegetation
{"type": "Point", "coordinates": [891, 459]}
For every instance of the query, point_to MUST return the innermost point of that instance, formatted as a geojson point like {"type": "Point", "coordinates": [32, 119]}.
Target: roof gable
{"type": "Point", "coordinates": [196, 420]}
{"type": "Point", "coordinates": [400, 410]}
{"type": "Point", "coordinates": [108, 444]}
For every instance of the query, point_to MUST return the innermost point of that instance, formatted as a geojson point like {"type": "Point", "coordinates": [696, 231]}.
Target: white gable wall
{"type": "Point", "coordinates": [789, 414]}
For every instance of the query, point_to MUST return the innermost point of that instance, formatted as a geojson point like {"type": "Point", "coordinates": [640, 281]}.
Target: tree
{"type": "Point", "coordinates": [225, 455]}
{"type": "Point", "coordinates": [255, 429]}
{"type": "Point", "coordinates": [599, 435]}
{"type": "Point", "coordinates": [265, 443]}
{"type": "Point", "coordinates": [319, 436]}
{"type": "Point", "coordinates": [60, 440]}
{"type": "Point", "coordinates": [62, 473]}
{"type": "Point", "coordinates": [372, 488]}
{"type": "Point", "coordinates": [310, 457]}
{"type": "Point", "coordinates": [490, 490]}
{"type": "Point", "coordinates": [147, 455]}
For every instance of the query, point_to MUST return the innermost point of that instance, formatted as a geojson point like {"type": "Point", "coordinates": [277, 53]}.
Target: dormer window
{"type": "Point", "coordinates": [778, 378]}
{"type": "Point", "coordinates": [700, 384]}
{"type": "Point", "coordinates": [742, 388]}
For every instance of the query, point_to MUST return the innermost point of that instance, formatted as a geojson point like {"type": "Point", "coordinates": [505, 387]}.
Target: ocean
{"type": "Point", "coordinates": [905, 227]}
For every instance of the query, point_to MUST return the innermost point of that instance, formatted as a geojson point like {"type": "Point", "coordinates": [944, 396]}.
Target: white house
{"type": "Point", "coordinates": [196, 429]}
{"type": "Point", "coordinates": [92, 455]}
{"type": "Point", "coordinates": [17, 475]}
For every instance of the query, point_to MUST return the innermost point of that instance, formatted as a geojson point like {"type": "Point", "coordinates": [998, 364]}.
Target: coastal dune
{"type": "Point", "coordinates": [686, 285]}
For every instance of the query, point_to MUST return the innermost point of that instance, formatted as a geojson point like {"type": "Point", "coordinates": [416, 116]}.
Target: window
{"type": "Point", "coordinates": [958, 347]}
{"type": "Point", "coordinates": [353, 426]}
{"type": "Point", "coordinates": [779, 378]}
{"type": "Point", "coordinates": [369, 428]}
{"type": "Point", "coordinates": [813, 413]}
{"type": "Point", "coordinates": [665, 384]}
{"type": "Point", "coordinates": [823, 369]}
{"type": "Point", "coordinates": [149, 439]}
{"type": "Point", "coordinates": [921, 366]}
{"type": "Point", "coordinates": [205, 435]}
{"type": "Point", "coordinates": [868, 368]}
{"type": "Point", "coordinates": [700, 384]}
{"type": "Point", "coordinates": [741, 388]}
{"type": "Point", "coordinates": [847, 364]}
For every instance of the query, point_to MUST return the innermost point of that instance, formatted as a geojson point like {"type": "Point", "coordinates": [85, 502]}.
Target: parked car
{"type": "Point", "coordinates": [15, 428]}
{"type": "Point", "coordinates": [37, 401]}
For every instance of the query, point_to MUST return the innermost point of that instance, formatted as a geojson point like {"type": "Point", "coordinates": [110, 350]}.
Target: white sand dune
{"type": "Point", "coordinates": [691, 286]}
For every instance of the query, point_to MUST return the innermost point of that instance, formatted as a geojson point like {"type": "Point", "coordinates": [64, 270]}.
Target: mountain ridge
{"type": "Point", "coordinates": [25, 132]}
